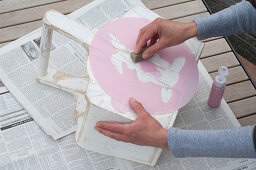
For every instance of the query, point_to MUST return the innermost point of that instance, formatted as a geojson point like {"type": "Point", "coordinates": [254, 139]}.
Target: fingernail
{"type": "Point", "coordinates": [132, 100]}
{"type": "Point", "coordinates": [145, 56]}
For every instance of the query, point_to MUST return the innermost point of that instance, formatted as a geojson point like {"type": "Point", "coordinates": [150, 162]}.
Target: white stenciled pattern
{"type": "Point", "coordinates": [168, 74]}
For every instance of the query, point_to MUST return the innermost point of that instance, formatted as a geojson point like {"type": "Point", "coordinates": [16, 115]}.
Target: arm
{"type": "Point", "coordinates": [229, 143]}
{"type": "Point", "coordinates": [238, 18]}
{"type": "Point", "coordinates": [162, 33]}
{"type": "Point", "coordinates": [146, 131]}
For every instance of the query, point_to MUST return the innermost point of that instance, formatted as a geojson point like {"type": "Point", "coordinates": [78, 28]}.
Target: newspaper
{"type": "Point", "coordinates": [24, 145]}
{"type": "Point", "coordinates": [51, 108]}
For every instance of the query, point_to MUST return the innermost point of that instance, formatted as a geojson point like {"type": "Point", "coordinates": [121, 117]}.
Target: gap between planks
{"type": "Point", "coordinates": [15, 33]}
{"type": "Point", "coordinates": [23, 6]}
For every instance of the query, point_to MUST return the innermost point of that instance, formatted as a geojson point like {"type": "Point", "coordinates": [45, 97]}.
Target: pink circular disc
{"type": "Point", "coordinates": [146, 81]}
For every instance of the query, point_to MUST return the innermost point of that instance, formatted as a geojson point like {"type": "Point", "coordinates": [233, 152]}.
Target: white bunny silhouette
{"type": "Point", "coordinates": [169, 74]}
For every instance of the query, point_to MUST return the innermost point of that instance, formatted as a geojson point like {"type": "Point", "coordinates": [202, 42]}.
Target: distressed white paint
{"type": "Point", "coordinates": [69, 27]}
{"type": "Point", "coordinates": [45, 46]}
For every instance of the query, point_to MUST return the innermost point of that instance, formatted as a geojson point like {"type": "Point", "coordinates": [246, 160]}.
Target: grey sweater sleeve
{"type": "Point", "coordinates": [238, 18]}
{"type": "Point", "coordinates": [229, 143]}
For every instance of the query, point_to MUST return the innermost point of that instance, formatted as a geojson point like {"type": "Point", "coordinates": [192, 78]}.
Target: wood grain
{"type": "Point", "coordinates": [244, 107]}
{"type": "Point", "coordinates": [213, 63]}
{"type": "Point", "coordinates": [214, 47]}
{"type": "Point", "coordinates": [37, 13]}
{"type": "Point", "coordinates": [16, 31]}
{"type": "Point", "coordinates": [236, 75]}
{"type": "Point", "coordinates": [250, 120]}
{"type": "Point", "coordinates": [181, 10]}
{"type": "Point", "coordinates": [239, 91]}
{"type": "Point", "coordinates": [152, 4]}
{"type": "Point", "coordinates": [12, 5]}
{"type": "Point", "coordinates": [190, 18]}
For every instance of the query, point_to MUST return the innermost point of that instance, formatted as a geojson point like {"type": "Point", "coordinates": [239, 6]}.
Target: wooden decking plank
{"type": "Point", "coordinates": [12, 5]}
{"type": "Point", "coordinates": [236, 74]}
{"type": "Point", "coordinates": [36, 13]}
{"type": "Point", "coordinates": [239, 91]}
{"type": "Point", "coordinates": [181, 10]}
{"type": "Point", "coordinates": [14, 32]}
{"type": "Point", "coordinates": [244, 107]}
{"type": "Point", "coordinates": [152, 4]}
{"type": "Point", "coordinates": [214, 62]}
{"type": "Point", "coordinates": [190, 18]}
{"type": "Point", "coordinates": [214, 47]}
{"type": "Point", "coordinates": [250, 120]}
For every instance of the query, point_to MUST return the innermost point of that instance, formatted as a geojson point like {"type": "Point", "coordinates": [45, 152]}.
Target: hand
{"type": "Point", "coordinates": [163, 33]}
{"type": "Point", "coordinates": [145, 130]}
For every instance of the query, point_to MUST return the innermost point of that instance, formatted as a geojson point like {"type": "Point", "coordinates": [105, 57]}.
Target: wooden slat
{"type": "Point", "coordinates": [218, 46]}
{"type": "Point", "coordinates": [244, 107]}
{"type": "Point", "coordinates": [213, 63]}
{"type": "Point", "coordinates": [250, 120]}
{"type": "Point", "coordinates": [12, 5]}
{"type": "Point", "coordinates": [14, 32]}
{"type": "Point", "coordinates": [212, 38]}
{"type": "Point", "coordinates": [36, 13]}
{"type": "Point", "coordinates": [181, 10]}
{"type": "Point", "coordinates": [152, 4]}
{"type": "Point", "coordinates": [3, 44]}
{"type": "Point", "coordinates": [239, 91]}
{"type": "Point", "coordinates": [190, 18]}
{"type": "Point", "coordinates": [236, 74]}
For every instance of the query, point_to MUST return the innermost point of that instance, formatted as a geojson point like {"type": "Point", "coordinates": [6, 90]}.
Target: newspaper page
{"type": "Point", "coordinates": [51, 108]}
{"type": "Point", "coordinates": [24, 145]}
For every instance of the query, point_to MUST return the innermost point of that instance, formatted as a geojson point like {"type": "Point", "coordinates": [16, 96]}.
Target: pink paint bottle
{"type": "Point", "coordinates": [218, 87]}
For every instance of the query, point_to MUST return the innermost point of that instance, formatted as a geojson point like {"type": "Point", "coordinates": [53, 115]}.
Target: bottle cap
{"type": "Point", "coordinates": [220, 81]}
{"type": "Point", "coordinates": [223, 71]}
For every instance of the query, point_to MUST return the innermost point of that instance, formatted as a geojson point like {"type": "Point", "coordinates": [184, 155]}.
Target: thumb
{"type": "Point", "coordinates": [137, 107]}
{"type": "Point", "coordinates": [151, 50]}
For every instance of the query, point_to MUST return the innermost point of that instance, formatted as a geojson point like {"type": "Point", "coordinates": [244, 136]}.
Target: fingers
{"type": "Point", "coordinates": [137, 107]}
{"type": "Point", "coordinates": [142, 31]}
{"type": "Point", "coordinates": [148, 34]}
{"type": "Point", "coordinates": [154, 39]}
{"type": "Point", "coordinates": [114, 135]}
{"type": "Point", "coordinates": [151, 50]}
{"type": "Point", "coordinates": [114, 127]}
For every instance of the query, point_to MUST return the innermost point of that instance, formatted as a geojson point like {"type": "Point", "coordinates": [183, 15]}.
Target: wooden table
{"type": "Point", "coordinates": [19, 17]}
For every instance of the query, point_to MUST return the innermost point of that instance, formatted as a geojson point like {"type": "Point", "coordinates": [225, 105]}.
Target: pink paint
{"type": "Point", "coordinates": [215, 96]}
{"type": "Point", "coordinates": [217, 91]}
{"type": "Point", "coordinates": [120, 87]}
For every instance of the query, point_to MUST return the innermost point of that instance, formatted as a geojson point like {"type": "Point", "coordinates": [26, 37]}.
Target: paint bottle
{"type": "Point", "coordinates": [218, 87]}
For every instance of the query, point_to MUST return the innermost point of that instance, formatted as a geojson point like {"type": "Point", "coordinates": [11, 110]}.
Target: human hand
{"type": "Point", "coordinates": [145, 130]}
{"type": "Point", "coordinates": [163, 33]}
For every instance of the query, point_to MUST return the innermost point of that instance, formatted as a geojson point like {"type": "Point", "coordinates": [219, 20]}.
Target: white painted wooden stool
{"type": "Point", "coordinates": [87, 112]}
